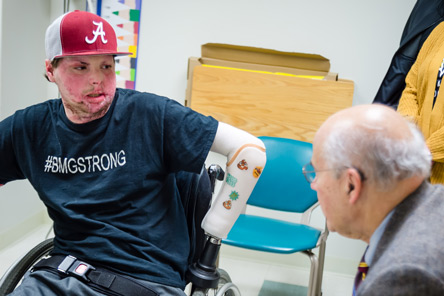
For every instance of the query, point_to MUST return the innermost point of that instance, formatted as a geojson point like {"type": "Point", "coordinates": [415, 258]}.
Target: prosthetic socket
{"type": "Point", "coordinates": [242, 173]}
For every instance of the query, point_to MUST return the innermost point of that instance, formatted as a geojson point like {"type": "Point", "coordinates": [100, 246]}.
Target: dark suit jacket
{"type": "Point", "coordinates": [409, 258]}
{"type": "Point", "coordinates": [425, 16]}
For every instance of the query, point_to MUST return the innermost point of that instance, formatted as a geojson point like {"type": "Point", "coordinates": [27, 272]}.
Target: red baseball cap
{"type": "Point", "coordinates": [80, 33]}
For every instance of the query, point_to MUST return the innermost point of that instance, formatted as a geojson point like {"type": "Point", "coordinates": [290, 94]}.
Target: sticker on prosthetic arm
{"type": "Point", "coordinates": [243, 172]}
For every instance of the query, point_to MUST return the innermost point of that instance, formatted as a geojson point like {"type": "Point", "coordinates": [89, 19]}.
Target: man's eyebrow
{"type": "Point", "coordinates": [78, 62]}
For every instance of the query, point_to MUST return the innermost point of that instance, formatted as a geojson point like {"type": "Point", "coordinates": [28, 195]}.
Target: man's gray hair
{"type": "Point", "coordinates": [382, 159]}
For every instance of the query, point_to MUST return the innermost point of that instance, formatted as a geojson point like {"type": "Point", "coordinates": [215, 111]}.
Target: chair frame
{"type": "Point", "coordinates": [317, 262]}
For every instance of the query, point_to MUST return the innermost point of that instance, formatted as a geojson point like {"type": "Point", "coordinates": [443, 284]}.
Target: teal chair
{"type": "Point", "coordinates": [283, 187]}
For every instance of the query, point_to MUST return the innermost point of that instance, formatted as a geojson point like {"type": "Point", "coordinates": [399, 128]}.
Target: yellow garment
{"type": "Point", "coordinates": [417, 98]}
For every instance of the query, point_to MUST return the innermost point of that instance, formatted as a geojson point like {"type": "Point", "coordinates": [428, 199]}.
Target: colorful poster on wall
{"type": "Point", "coordinates": [124, 16]}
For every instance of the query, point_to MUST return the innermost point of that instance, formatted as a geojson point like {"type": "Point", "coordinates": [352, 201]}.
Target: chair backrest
{"type": "Point", "coordinates": [282, 186]}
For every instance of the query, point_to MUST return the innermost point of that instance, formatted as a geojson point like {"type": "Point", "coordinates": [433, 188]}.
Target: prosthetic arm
{"type": "Point", "coordinates": [246, 160]}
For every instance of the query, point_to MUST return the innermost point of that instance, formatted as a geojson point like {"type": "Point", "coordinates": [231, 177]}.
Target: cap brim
{"type": "Point", "coordinates": [94, 53]}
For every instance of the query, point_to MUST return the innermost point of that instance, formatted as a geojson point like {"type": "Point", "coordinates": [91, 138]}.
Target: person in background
{"type": "Point", "coordinates": [103, 161]}
{"type": "Point", "coordinates": [425, 16]}
{"type": "Point", "coordinates": [370, 168]}
{"type": "Point", "coordinates": [422, 100]}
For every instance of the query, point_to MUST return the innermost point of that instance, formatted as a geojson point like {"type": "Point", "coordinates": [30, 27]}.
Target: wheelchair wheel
{"type": "Point", "coordinates": [224, 279]}
{"type": "Point", "coordinates": [15, 273]}
{"type": "Point", "coordinates": [224, 288]}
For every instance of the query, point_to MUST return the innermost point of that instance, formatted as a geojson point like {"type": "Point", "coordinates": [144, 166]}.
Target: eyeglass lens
{"type": "Point", "coordinates": [309, 172]}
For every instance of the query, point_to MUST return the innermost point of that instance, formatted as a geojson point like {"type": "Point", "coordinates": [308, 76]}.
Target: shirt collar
{"type": "Point", "coordinates": [375, 238]}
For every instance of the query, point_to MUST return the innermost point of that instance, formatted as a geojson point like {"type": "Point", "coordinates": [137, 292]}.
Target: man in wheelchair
{"type": "Point", "coordinates": [104, 161]}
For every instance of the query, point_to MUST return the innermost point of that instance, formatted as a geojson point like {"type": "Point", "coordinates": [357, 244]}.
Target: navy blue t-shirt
{"type": "Point", "coordinates": [109, 184]}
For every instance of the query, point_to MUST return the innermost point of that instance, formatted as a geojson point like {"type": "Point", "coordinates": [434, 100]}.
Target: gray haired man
{"type": "Point", "coordinates": [370, 169]}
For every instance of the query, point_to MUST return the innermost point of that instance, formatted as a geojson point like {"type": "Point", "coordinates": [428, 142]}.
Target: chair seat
{"type": "Point", "coordinates": [271, 235]}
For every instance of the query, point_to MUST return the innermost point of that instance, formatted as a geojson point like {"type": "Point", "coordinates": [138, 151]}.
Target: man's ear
{"type": "Point", "coordinates": [354, 185]}
{"type": "Point", "coordinates": [49, 70]}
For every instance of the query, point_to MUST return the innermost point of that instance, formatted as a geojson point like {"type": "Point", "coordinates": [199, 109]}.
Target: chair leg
{"type": "Point", "coordinates": [312, 284]}
{"type": "Point", "coordinates": [320, 273]}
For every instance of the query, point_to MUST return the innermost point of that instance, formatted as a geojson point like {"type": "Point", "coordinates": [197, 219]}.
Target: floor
{"type": "Point", "coordinates": [248, 276]}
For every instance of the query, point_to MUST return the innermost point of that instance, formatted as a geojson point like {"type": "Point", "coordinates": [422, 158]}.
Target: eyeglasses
{"type": "Point", "coordinates": [310, 173]}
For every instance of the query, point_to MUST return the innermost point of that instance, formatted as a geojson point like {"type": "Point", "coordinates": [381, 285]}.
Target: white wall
{"type": "Point", "coordinates": [359, 38]}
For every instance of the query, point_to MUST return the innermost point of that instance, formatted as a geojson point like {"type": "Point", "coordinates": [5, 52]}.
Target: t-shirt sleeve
{"type": "Point", "coordinates": [188, 136]}
{"type": "Point", "coordinates": [9, 167]}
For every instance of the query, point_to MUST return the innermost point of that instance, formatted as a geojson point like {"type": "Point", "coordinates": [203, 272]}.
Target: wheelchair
{"type": "Point", "coordinates": [203, 275]}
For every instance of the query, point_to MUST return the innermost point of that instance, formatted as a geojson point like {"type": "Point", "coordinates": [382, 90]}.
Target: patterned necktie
{"type": "Point", "coordinates": [361, 274]}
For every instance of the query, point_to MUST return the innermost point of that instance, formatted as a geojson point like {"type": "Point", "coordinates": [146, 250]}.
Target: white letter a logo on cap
{"type": "Point", "coordinates": [97, 32]}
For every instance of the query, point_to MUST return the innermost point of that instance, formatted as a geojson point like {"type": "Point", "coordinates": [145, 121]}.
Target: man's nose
{"type": "Point", "coordinates": [313, 185]}
{"type": "Point", "coordinates": [96, 77]}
